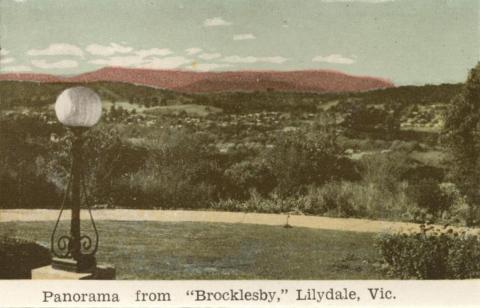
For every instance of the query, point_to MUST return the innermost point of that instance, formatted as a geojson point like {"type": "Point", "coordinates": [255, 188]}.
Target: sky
{"type": "Point", "coordinates": [405, 41]}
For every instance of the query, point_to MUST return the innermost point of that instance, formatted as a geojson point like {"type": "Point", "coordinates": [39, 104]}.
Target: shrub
{"type": "Point", "coordinates": [365, 118]}
{"type": "Point", "coordinates": [160, 189]}
{"type": "Point", "coordinates": [247, 175]}
{"type": "Point", "coordinates": [384, 170]}
{"type": "Point", "coordinates": [431, 253]}
{"type": "Point", "coordinates": [180, 172]}
{"type": "Point", "coordinates": [301, 158]}
{"type": "Point", "coordinates": [353, 199]}
{"type": "Point", "coordinates": [460, 211]}
{"type": "Point", "coordinates": [428, 195]}
{"type": "Point", "coordinates": [404, 146]}
{"type": "Point", "coordinates": [18, 257]}
{"type": "Point", "coordinates": [28, 190]}
{"type": "Point", "coordinates": [336, 199]}
{"type": "Point", "coordinates": [257, 203]}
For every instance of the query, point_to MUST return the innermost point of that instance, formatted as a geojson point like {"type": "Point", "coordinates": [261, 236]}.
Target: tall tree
{"type": "Point", "coordinates": [462, 136]}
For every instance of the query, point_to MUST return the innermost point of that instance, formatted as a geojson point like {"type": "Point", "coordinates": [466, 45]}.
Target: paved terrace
{"type": "Point", "coordinates": [314, 222]}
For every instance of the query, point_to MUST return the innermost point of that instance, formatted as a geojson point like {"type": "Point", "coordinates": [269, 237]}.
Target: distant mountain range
{"type": "Point", "coordinates": [321, 81]}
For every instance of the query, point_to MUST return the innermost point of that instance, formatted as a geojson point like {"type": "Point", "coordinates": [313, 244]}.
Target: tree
{"type": "Point", "coordinates": [462, 138]}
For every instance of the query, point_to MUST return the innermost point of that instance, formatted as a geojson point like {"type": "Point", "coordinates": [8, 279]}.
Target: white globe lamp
{"type": "Point", "coordinates": [78, 107]}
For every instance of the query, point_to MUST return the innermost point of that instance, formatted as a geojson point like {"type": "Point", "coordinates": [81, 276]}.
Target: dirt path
{"type": "Point", "coordinates": [315, 222]}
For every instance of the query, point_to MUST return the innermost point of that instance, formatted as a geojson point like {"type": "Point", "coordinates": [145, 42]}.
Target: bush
{"type": "Point", "coordinates": [23, 154]}
{"type": "Point", "coordinates": [339, 199]}
{"type": "Point", "coordinates": [365, 118]}
{"type": "Point", "coordinates": [347, 199]}
{"type": "Point", "coordinates": [247, 175]}
{"type": "Point", "coordinates": [301, 158]}
{"type": "Point", "coordinates": [428, 195]}
{"type": "Point", "coordinates": [28, 190]}
{"type": "Point", "coordinates": [336, 199]}
{"type": "Point", "coordinates": [179, 173]}
{"type": "Point", "coordinates": [18, 257]}
{"type": "Point", "coordinates": [257, 203]}
{"type": "Point", "coordinates": [163, 189]}
{"type": "Point", "coordinates": [431, 253]}
{"type": "Point", "coordinates": [385, 170]}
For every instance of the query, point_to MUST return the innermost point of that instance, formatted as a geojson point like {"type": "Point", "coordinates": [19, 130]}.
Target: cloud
{"type": "Point", "coordinates": [334, 59]}
{"type": "Point", "coordinates": [4, 52]}
{"type": "Point", "coordinates": [6, 60]}
{"type": "Point", "coordinates": [153, 52]}
{"type": "Point", "coordinates": [252, 59]}
{"type": "Point", "coordinates": [215, 22]}
{"type": "Point", "coordinates": [57, 65]}
{"type": "Point", "coordinates": [242, 37]}
{"type": "Point", "coordinates": [209, 56]}
{"type": "Point", "coordinates": [108, 50]}
{"type": "Point", "coordinates": [205, 67]}
{"type": "Point", "coordinates": [193, 50]}
{"type": "Point", "coordinates": [122, 61]}
{"type": "Point", "coordinates": [16, 68]}
{"type": "Point", "coordinates": [166, 63]}
{"type": "Point", "coordinates": [58, 49]}
{"type": "Point", "coordinates": [20, 1]}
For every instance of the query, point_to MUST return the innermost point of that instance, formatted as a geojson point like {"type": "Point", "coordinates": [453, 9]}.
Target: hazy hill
{"type": "Point", "coordinates": [321, 81]}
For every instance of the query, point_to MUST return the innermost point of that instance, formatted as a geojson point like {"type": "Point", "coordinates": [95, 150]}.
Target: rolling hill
{"type": "Point", "coordinates": [318, 81]}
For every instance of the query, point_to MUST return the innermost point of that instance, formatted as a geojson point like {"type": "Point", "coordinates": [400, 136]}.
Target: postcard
{"type": "Point", "coordinates": [221, 153]}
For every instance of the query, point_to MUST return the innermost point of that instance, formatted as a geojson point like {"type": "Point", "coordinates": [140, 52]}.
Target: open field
{"type": "Point", "coordinates": [188, 250]}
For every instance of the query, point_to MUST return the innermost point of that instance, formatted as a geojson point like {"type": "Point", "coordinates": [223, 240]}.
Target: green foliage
{"type": "Point", "coordinates": [334, 199]}
{"type": "Point", "coordinates": [24, 93]}
{"type": "Point", "coordinates": [177, 160]}
{"type": "Point", "coordinates": [462, 137]}
{"type": "Point", "coordinates": [384, 170]}
{"type": "Point", "coordinates": [18, 257]}
{"type": "Point", "coordinates": [37, 95]}
{"type": "Point", "coordinates": [250, 175]}
{"type": "Point", "coordinates": [364, 118]}
{"type": "Point", "coordinates": [431, 254]}
{"type": "Point", "coordinates": [180, 171]}
{"type": "Point", "coordinates": [408, 95]}
{"type": "Point", "coordinates": [257, 203]}
{"type": "Point", "coordinates": [300, 158]}
{"type": "Point", "coordinates": [428, 196]}
{"type": "Point", "coordinates": [24, 179]}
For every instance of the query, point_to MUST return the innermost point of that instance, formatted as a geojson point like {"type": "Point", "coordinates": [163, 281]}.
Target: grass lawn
{"type": "Point", "coordinates": [160, 250]}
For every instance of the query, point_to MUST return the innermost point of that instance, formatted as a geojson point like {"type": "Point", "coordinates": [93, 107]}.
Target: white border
{"type": "Point", "coordinates": [455, 293]}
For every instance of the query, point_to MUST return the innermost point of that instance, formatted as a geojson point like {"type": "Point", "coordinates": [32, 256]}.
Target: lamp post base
{"type": "Point", "coordinates": [84, 264]}
{"type": "Point", "coordinates": [99, 272]}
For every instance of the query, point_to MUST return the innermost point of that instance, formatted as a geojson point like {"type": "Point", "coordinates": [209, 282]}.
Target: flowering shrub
{"type": "Point", "coordinates": [431, 253]}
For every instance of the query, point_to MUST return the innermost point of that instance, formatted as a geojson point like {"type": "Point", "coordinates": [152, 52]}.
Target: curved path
{"type": "Point", "coordinates": [316, 222]}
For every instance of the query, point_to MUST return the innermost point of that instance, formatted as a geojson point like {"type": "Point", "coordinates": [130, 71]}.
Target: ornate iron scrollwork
{"type": "Point", "coordinates": [63, 246]}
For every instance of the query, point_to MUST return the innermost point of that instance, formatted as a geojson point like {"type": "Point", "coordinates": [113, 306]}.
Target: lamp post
{"type": "Point", "coordinates": [78, 108]}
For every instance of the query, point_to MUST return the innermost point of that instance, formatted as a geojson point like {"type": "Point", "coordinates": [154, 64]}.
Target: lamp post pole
{"type": "Point", "coordinates": [75, 201]}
